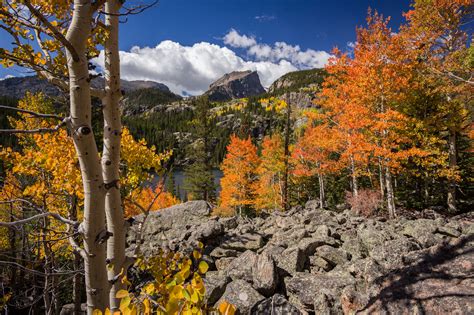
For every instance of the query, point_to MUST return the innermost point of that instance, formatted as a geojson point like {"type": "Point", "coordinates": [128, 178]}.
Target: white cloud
{"type": "Point", "coordinates": [191, 69]}
{"type": "Point", "coordinates": [234, 39]}
{"type": "Point", "coordinates": [264, 18]}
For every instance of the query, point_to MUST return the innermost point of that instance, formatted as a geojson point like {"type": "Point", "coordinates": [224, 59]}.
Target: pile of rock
{"type": "Point", "coordinates": [315, 261]}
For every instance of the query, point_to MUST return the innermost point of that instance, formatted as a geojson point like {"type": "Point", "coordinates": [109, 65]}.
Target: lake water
{"type": "Point", "coordinates": [179, 177]}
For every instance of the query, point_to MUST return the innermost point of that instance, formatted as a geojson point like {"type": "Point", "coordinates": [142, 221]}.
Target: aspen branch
{"type": "Point", "coordinates": [36, 217]}
{"type": "Point", "coordinates": [37, 130]}
{"type": "Point", "coordinates": [39, 273]}
{"type": "Point", "coordinates": [35, 114]}
{"type": "Point", "coordinates": [57, 34]}
{"type": "Point", "coordinates": [132, 11]}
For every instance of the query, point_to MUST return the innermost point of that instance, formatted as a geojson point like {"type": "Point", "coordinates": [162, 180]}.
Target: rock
{"type": "Point", "coordinates": [167, 226]}
{"type": "Point", "coordinates": [242, 242]}
{"type": "Point", "coordinates": [276, 305]}
{"type": "Point", "coordinates": [264, 274]}
{"type": "Point", "coordinates": [320, 263]}
{"type": "Point", "coordinates": [241, 294]}
{"type": "Point", "coordinates": [221, 252]}
{"type": "Point", "coordinates": [312, 204]}
{"type": "Point", "coordinates": [229, 223]}
{"type": "Point", "coordinates": [423, 231]}
{"type": "Point", "coordinates": [291, 260]}
{"type": "Point", "coordinates": [322, 231]}
{"type": "Point", "coordinates": [354, 247]}
{"type": "Point", "coordinates": [371, 237]}
{"type": "Point", "coordinates": [235, 85]}
{"type": "Point", "coordinates": [215, 283]}
{"type": "Point", "coordinates": [304, 287]}
{"type": "Point", "coordinates": [390, 253]}
{"type": "Point", "coordinates": [68, 309]}
{"type": "Point", "coordinates": [333, 255]}
{"type": "Point", "coordinates": [309, 245]}
{"type": "Point", "coordinates": [223, 263]}
{"type": "Point", "coordinates": [448, 231]}
{"type": "Point", "coordinates": [242, 266]}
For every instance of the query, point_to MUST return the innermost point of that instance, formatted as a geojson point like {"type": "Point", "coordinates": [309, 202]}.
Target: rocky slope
{"type": "Point", "coordinates": [313, 261]}
{"type": "Point", "coordinates": [17, 87]}
{"type": "Point", "coordinates": [237, 84]}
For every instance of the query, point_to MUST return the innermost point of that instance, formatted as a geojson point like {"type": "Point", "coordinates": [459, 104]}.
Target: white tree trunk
{"type": "Point", "coordinates": [322, 195]}
{"type": "Point", "coordinates": [94, 193]}
{"type": "Point", "coordinates": [451, 201]}
{"type": "Point", "coordinates": [111, 152]}
{"type": "Point", "coordinates": [355, 188]}
{"type": "Point", "coordinates": [390, 193]}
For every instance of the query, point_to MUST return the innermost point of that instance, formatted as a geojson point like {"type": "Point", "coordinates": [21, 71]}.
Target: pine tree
{"type": "Point", "coordinates": [199, 178]}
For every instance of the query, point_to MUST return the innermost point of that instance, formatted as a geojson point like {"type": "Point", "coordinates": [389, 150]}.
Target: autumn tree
{"type": "Point", "coordinates": [438, 45]}
{"type": "Point", "coordinates": [239, 168]}
{"type": "Point", "coordinates": [270, 172]}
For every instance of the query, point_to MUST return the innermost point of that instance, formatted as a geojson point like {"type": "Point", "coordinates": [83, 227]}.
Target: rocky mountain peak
{"type": "Point", "coordinates": [237, 84]}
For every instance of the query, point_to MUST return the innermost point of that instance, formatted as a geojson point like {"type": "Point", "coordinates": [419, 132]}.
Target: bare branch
{"type": "Point", "coordinates": [35, 114]}
{"type": "Point", "coordinates": [132, 11]}
{"type": "Point", "coordinates": [37, 130]}
{"type": "Point", "coordinates": [36, 217]}
{"type": "Point", "coordinates": [39, 273]}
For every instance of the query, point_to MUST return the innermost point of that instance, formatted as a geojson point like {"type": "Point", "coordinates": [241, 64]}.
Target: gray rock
{"type": "Point", "coordinates": [223, 263]}
{"type": "Point", "coordinates": [305, 287]}
{"type": "Point", "coordinates": [291, 260]}
{"type": "Point", "coordinates": [215, 283]}
{"type": "Point", "coordinates": [390, 253]}
{"type": "Point", "coordinates": [265, 277]}
{"type": "Point", "coordinates": [333, 255]}
{"type": "Point", "coordinates": [241, 294]}
{"type": "Point", "coordinates": [320, 263]}
{"type": "Point", "coordinates": [242, 266]}
{"type": "Point", "coordinates": [276, 305]}
{"type": "Point", "coordinates": [221, 252]}
{"type": "Point", "coordinates": [229, 223]}
{"type": "Point", "coordinates": [242, 242]}
{"type": "Point", "coordinates": [68, 309]}
{"type": "Point", "coordinates": [423, 231]}
{"type": "Point", "coordinates": [448, 231]}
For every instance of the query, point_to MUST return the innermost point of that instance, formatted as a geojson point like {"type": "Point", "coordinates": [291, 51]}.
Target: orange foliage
{"type": "Point", "coordinates": [239, 168]}
{"type": "Point", "coordinates": [268, 188]}
{"type": "Point", "coordinates": [141, 199]}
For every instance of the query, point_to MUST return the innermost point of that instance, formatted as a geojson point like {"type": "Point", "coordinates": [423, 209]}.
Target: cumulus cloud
{"type": "Point", "coordinates": [189, 70]}
{"type": "Point", "coordinates": [8, 76]}
{"type": "Point", "coordinates": [234, 39]}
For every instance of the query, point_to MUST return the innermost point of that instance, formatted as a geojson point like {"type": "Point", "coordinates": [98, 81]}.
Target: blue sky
{"type": "Point", "coordinates": [187, 44]}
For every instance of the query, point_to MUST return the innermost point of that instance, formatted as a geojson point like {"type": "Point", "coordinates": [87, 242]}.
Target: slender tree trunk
{"type": "Point", "coordinates": [322, 196]}
{"type": "Point", "coordinates": [93, 225]}
{"type": "Point", "coordinates": [381, 179]}
{"type": "Point", "coordinates": [451, 201]}
{"type": "Point", "coordinates": [390, 193]}
{"type": "Point", "coordinates": [76, 281]}
{"type": "Point", "coordinates": [111, 152]}
{"type": "Point", "coordinates": [355, 188]}
{"type": "Point", "coordinates": [287, 153]}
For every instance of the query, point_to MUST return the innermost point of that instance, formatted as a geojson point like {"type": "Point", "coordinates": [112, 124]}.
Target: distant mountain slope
{"type": "Point", "coordinates": [237, 84]}
{"type": "Point", "coordinates": [294, 81]}
{"type": "Point", "coordinates": [17, 87]}
{"type": "Point", "coordinates": [142, 100]}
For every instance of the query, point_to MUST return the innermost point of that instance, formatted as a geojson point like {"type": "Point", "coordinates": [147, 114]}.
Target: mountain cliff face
{"type": "Point", "coordinates": [237, 84]}
{"type": "Point", "coordinates": [17, 87]}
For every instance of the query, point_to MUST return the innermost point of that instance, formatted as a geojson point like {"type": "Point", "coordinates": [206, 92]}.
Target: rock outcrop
{"type": "Point", "coordinates": [237, 84]}
{"type": "Point", "coordinates": [314, 261]}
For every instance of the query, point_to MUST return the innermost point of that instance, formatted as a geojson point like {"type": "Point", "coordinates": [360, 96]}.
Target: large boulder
{"type": "Point", "coordinates": [179, 226]}
{"type": "Point", "coordinates": [264, 274]}
{"type": "Point", "coordinates": [241, 294]}
{"type": "Point", "coordinates": [215, 283]}
{"type": "Point", "coordinates": [242, 266]}
{"type": "Point", "coordinates": [242, 242]}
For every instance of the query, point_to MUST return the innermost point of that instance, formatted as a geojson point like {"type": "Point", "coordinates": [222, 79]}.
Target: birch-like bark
{"type": "Point", "coordinates": [322, 195]}
{"type": "Point", "coordinates": [452, 151]}
{"type": "Point", "coordinates": [94, 193]}
{"type": "Point", "coordinates": [111, 152]}
{"type": "Point", "coordinates": [381, 179]}
{"type": "Point", "coordinates": [390, 193]}
{"type": "Point", "coordinates": [355, 188]}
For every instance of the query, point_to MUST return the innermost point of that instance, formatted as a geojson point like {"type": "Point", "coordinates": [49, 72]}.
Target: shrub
{"type": "Point", "coordinates": [366, 203]}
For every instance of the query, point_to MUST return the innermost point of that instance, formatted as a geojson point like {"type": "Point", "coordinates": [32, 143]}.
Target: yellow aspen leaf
{"type": "Point", "coordinates": [203, 267]}
{"type": "Point", "coordinates": [121, 294]}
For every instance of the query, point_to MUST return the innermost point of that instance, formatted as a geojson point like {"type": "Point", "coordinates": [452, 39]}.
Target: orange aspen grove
{"type": "Point", "coordinates": [440, 47]}
{"type": "Point", "coordinates": [270, 172]}
{"type": "Point", "coordinates": [312, 155]}
{"type": "Point", "coordinates": [239, 168]}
